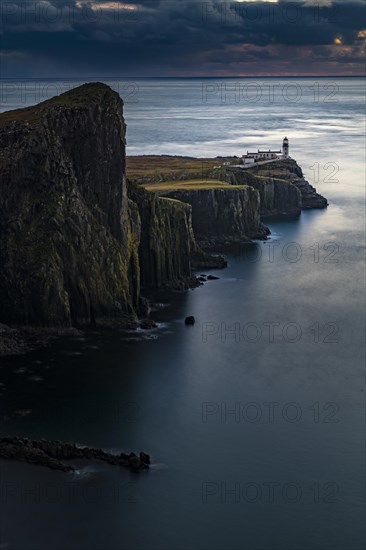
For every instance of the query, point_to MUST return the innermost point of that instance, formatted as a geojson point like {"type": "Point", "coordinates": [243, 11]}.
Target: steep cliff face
{"type": "Point", "coordinates": [277, 196]}
{"type": "Point", "coordinates": [67, 247]}
{"type": "Point", "coordinates": [223, 215]}
{"type": "Point", "coordinates": [309, 196]}
{"type": "Point", "coordinates": [282, 187]}
{"type": "Point", "coordinates": [71, 241]}
{"type": "Point", "coordinates": [167, 240]}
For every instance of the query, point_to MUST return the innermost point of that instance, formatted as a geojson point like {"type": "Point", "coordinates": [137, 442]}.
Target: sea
{"type": "Point", "coordinates": [255, 416]}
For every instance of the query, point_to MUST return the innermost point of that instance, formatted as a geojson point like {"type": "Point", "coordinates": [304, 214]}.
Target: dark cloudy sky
{"type": "Point", "coordinates": [76, 38]}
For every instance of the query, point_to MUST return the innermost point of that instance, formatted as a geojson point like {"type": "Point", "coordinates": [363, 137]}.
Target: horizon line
{"type": "Point", "coordinates": [179, 77]}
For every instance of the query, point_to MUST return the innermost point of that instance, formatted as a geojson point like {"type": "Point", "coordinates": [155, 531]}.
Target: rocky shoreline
{"type": "Point", "coordinates": [51, 454]}
{"type": "Point", "coordinates": [19, 340]}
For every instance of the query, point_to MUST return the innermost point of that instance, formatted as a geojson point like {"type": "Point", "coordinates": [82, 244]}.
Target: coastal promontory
{"type": "Point", "coordinates": [80, 244]}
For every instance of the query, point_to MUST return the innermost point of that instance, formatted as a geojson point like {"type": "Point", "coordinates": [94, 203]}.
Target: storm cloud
{"type": "Point", "coordinates": [176, 38]}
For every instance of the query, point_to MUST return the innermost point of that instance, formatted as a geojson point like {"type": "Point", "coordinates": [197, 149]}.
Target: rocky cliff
{"type": "Point", "coordinates": [73, 246]}
{"type": "Point", "coordinates": [166, 239]}
{"type": "Point", "coordinates": [281, 185]}
{"type": "Point", "coordinates": [229, 214]}
{"type": "Point", "coordinates": [277, 196]}
{"type": "Point", "coordinates": [67, 246]}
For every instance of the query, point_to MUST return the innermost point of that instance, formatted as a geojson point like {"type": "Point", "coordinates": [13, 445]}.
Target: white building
{"type": "Point", "coordinates": [252, 157]}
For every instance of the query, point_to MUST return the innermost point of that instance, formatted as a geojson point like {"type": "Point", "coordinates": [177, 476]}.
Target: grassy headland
{"type": "Point", "coordinates": [155, 168]}
{"type": "Point", "coordinates": [187, 185]}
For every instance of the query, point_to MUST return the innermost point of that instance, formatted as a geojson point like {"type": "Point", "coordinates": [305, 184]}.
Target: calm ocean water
{"type": "Point", "coordinates": [254, 417]}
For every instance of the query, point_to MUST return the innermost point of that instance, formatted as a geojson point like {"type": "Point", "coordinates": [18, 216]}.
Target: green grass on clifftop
{"type": "Point", "coordinates": [189, 185]}
{"type": "Point", "coordinates": [155, 167]}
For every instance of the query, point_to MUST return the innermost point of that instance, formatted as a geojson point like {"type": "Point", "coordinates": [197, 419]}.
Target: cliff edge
{"type": "Point", "coordinates": [221, 213]}
{"type": "Point", "coordinates": [74, 247]}
{"type": "Point", "coordinates": [281, 185]}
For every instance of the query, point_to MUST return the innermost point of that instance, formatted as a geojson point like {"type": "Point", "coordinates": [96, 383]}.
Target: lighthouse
{"type": "Point", "coordinates": [285, 148]}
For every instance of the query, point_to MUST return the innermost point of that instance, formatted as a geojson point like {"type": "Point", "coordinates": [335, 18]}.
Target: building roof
{"type": "Point", "coordinates": [256, 152]}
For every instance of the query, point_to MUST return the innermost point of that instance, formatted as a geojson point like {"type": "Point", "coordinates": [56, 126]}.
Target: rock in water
{"type": "Point", "coordinates": [212, 278]}
{"type": "Point", "coordinates": [52, 453]}
{"type": "Point", "coordinates": [190, 320]}
{"type": "Point", "coordinates": [147, 324]}
{"type": "Point", "coordinates": [145, 458]}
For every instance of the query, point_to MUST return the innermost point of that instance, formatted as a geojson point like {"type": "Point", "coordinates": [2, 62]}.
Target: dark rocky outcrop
{"type": "Point", "coordinates": [223, 215]}
{"type": "Point", "coordinates": [168, 249]}
{"type": "Point", "coordinates": [14, 341]}
{"type": "Point", "coordinates": [282, 187]}
{"type": "Point", "coordinates": [147, 324]}
{"type": "Point", "coordinates": [52, 453]}
{"type": "Point", "coordinates": [201, 259]}
{"type": "Point", "coordinates": [309, 196]}
{"type": "Point", "coordinates": [289, 170]}
{"type": "Point", "coordinates": [166, 239]}
{"type": "Point", "coordinates": [277, 196]}
{"type": "Point", "coordinates": [68, 249]}
{"type": "Point", "coordinates": [74, 247]}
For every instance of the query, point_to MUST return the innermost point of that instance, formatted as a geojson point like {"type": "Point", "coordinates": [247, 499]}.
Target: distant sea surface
{"type": "Point", "coordinates": [254, 417]}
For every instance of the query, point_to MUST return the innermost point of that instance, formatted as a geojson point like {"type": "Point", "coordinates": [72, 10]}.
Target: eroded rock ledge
{"type": "Point", "coordinates": [52, 453]}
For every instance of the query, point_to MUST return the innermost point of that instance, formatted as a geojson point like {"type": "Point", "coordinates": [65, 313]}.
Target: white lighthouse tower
{"type": "Point", "coordinates": [285, 148]}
